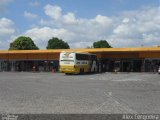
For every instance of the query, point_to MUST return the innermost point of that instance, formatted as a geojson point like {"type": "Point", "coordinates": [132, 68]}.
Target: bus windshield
{"type": "Point", "coordinates": [67, 58]}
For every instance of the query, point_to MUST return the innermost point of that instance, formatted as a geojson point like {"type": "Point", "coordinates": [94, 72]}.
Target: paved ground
{"type": "Point", "coordinates": [96, 93]}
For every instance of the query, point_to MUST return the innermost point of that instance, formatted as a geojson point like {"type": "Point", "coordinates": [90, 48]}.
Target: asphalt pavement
{"type": "Point", "coordinates": [27, 92]}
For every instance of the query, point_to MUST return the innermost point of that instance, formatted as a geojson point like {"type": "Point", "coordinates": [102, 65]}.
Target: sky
{"type": "Point", "coordinates": [123, 23]}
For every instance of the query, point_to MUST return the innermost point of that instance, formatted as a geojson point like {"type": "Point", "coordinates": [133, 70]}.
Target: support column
{"type": "Point", "coordinates": [12, 67]}
{"type": "Point", "coordinates": [143, 66]}
{"type": "Point", "coordinates": [0, 66]}
{"type": "Point", "coordinates": [122, 65]}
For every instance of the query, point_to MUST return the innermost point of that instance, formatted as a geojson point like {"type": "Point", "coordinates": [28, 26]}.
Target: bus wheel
{"type": "Point", "coordinates": [81, 71]}
{"type": "Point", "coordinates": [67, 73]}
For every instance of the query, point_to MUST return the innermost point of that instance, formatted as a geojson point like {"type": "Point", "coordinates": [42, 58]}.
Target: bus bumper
{"type": "Point", "coordinates": [69, 70]}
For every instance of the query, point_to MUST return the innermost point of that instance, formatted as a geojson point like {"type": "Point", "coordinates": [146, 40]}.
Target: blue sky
{"type": "Point", "coordinates": [123, 23]}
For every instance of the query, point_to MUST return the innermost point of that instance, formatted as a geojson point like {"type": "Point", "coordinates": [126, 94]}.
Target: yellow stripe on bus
{"type": "Point", "coordinates": [73, 69]}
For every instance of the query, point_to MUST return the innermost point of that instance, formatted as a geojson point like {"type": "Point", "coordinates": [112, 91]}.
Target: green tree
{"type": "Point", "coordinates": [56, 43]}
{"type": "Point", "coordinates": [23, 43]}
{"type": "Point", "coordinates": [101, 44]}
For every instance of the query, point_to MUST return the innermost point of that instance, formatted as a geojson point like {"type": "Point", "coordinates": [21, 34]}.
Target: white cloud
{"type": "Point", "coordinates": [6, 27]}
{"type": "Point", "coordinates": [85, 31]}
{"type": "Point", "coordinates": [6, 31]}
{"type": "Point", "coordinates": [137, 27]}
{"type": "Point", "coordinates": [53, 11]}
{"type": "Point", "coordinates": [42, 35]}
{"type": "Point", "coordinates": [125, 30]}
{"type": "Point", "coordinates": [69, 18]}
{"type": "Point", "coordinates": [128, 29]}
{"type": "Point", "coordinates": [30, 15]}
{"type": "Point", "coordinates": [152, 37]}
{"type": "Point", "coordinates": [103, 20]}
{"type": "Point", "coordinates": [125, 20]}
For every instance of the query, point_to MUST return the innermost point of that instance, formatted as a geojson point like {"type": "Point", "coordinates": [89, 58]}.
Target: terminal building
{"type": "Point", "coordinates": [110, 59]}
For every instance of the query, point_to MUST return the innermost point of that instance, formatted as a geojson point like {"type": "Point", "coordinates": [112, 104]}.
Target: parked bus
{"type": "Point", "coordinates": [77, 62]}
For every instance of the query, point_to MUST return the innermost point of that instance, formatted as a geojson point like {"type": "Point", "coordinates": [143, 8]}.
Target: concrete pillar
{"type": "Point", "coordinates": [12, 67]}
{"type": "Point", "coordinates": [0, 66]}
{"type": "Point", "coordinates": [143, 66]}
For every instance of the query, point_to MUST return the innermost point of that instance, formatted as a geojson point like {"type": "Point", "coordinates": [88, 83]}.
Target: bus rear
{"type": "Point", "coordinates": [67, 62]}
{"type": "Point", "coordinates": [77, 63]}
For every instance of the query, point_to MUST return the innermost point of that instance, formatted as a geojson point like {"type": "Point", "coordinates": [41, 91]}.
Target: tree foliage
{"type": "Point", "coordinates": [23, 43]}
{"type": "Point", "coordinates": [56, 43]}
{"type": "Point", "coordinates": [101, 44]}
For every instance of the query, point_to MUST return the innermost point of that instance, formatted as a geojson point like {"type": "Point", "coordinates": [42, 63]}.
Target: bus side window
{"type": "Point", "coordinates": [93, 57]}
{"type": "Point", "coordinates": [82, 57]}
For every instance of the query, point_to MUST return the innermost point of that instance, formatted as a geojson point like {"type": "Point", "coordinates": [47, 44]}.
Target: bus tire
{"type": "Point", "coordinates": [81, 71]}
{"type": "Point", "coordinates": [67, 73]}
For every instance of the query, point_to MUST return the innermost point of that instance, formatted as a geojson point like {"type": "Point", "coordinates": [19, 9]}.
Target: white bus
{"type": "Point", "coordinates": [77, 62]}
